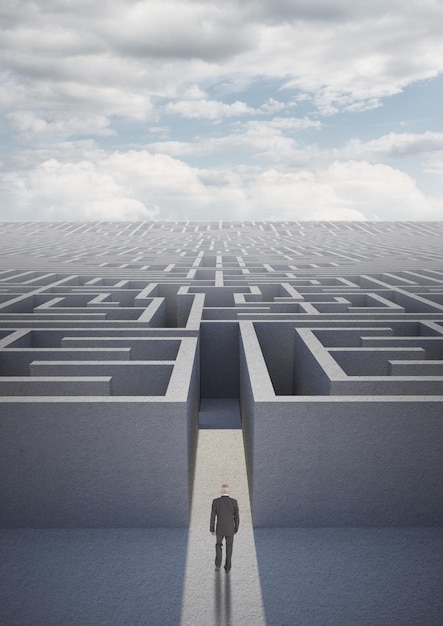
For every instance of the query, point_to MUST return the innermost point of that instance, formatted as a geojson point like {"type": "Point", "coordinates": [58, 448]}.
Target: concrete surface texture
{"type": "Point", "coordinates": [91, 577]}
{"type": "Point", "coordinates": [351, 576]}
{"type": "Point", "coordinates": [319, 577]}
{"type": "Point", "coordinates": [318, 346]}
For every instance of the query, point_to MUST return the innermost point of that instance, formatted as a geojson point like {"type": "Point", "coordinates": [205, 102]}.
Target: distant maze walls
{"type": "Point", "coordinates": [329, 334]}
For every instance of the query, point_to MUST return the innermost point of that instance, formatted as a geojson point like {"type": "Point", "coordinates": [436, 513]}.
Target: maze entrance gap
{"type": "Point", "coordinates": [219, 375]}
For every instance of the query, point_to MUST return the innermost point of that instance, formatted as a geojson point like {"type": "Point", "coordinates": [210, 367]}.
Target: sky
{"type": "Point", "coordinates": [221, 110]}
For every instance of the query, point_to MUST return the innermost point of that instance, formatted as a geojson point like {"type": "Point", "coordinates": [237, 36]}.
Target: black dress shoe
{"type": "Point", "coordinates": [227, 570]}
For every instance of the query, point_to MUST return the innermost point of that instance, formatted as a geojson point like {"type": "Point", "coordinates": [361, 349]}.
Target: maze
{"type": "Point", "coordinates": [328, 335]}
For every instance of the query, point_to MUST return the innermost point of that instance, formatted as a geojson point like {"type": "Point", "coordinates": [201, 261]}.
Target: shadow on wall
{"type": "Point", "coordinates": [277, 345]}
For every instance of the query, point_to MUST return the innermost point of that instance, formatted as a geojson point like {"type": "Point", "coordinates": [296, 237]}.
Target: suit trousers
{"type": "Point", "coordinates": [218, 550]}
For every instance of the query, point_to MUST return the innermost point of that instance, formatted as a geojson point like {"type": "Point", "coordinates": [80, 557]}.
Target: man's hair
{"type": "Point", "coordinates": [225, 488]}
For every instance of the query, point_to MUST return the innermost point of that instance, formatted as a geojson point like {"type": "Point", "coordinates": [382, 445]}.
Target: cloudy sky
{"type": "Point", "coordinates": [221, 109]}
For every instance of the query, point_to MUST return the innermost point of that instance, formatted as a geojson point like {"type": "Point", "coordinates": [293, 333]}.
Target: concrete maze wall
{"type": "Point", "coordinates": [330, 335]}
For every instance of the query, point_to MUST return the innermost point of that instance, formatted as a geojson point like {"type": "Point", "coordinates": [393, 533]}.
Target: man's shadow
{"type": "Point", "coordinates": [222, 604]}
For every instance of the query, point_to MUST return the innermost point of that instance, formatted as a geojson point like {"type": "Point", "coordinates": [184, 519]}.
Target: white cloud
{"type": "Point", "coordinates": [288, 123]}
{"type": "Point", "coordinates": [343, 190]}
{"type": "Point", "coordinates": [381, 192]}
{"type": "Point", "coordinates": [197, 107]}
{"type": "Point", "coordinates": [80, 191]}
{"type": "Point", "coordinates": [194, 92]}
{"type": "Point", "coordinates": [434, 165]}
{"type": "Point", "coordinates": [259, 139]}
{"type": "Point", "coordinates": [59, 125]}
{"type": "Point", "coordinates": [114, 58]}
{"type": "Point", "coordinates": [352, 62]}
{"type": "Point", "coordinates": [117, 186]}
{"type": "Point", "coordinates": [143, 68]}
{"type": "Point", "coordinates": [141, 185]}
{"type": "Point", "coordinates": [209, 109]}
{"type": "Point", "coordinates": [394, 145]}
{"type": "Point", "coordinates": [273, 106]}
{"type": "Point", "coordinates": [168, 29]}
{"type": "Point", "coordinates": [264, 140]}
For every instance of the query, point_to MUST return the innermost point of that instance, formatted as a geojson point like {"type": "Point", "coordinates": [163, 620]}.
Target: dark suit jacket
{"type": "Point", "coordinates": [225, 509]}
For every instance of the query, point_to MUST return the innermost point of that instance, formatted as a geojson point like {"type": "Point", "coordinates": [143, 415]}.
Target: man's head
{"type": "Point", "coordinates": [225, 490]}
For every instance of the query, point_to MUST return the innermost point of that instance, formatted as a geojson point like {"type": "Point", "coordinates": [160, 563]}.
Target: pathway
{"type": "Point", "coordinates": [211, 597]}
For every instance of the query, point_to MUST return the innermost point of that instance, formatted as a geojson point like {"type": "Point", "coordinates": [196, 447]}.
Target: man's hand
{"type": "Point", "coordinates": [213, 534]}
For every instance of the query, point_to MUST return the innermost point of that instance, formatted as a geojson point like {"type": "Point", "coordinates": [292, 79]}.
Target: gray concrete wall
{"type": "Point", "coordinates": [96, 463]}
{"type": "Point", "coordinates": [347, 463]}
{"type": "Point", "coordinates": [103, 461]}
{"type": "Point", "coordinates": [129, 378]}
{"type": "Point", "coordinates": [339, 461]}
{"type": "Point", "coordinates": [339, 332]}
{"type": "Point", "coordinates": [142, 348]}
{"type": "Point", "coordinates": [55, 386]}
{"type": "Point", "coordinates": [16, 361]}
{"type": "Point", "coordinates": [313, 366]}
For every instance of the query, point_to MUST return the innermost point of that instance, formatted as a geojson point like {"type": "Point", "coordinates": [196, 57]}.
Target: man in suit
{"type": "Point", "coordinates": [225, 510]}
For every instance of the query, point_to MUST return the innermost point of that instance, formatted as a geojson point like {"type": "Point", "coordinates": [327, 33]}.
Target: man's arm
{"type": "Point", "coordinates": [236, 516]}
{"type": "Point", "coordinates": [213, 515]}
